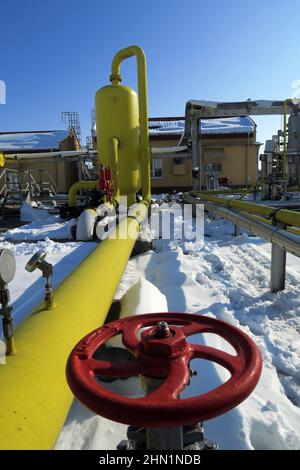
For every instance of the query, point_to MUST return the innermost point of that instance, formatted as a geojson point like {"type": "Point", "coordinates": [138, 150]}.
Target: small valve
{"type": "Point", "coordinates": [105, 182]}
{"type": "Point", "coordinates": [7, 272]}
{"type": "Point", "coordinates": [37, 261]}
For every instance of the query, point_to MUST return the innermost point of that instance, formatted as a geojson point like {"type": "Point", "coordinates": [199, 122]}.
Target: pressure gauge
{"type": "Point", "coordinates": [7, 266]}
{"type": "Point", "coordinates": [35, 261]}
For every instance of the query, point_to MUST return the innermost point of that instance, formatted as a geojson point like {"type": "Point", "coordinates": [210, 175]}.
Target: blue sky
{"type": "Point", "coordinates": [55, 54]}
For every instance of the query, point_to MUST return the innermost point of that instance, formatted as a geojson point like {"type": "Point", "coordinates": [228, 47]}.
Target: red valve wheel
{"type": "Point", "coordinates": [164, 353]}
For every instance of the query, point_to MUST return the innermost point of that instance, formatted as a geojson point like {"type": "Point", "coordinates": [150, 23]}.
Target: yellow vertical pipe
{"type": "Point", "coordinates": [115, 169]}
{"type": "Point", "coordinates": [143, 110]}
{"type": "Point", "coordinates": [34, 394]}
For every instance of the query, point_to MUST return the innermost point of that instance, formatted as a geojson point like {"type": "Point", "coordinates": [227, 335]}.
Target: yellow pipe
{"type": "Point", "coordinates": [285, 216]}
{"type": "Point", "coordinates": [34, 395]}
{"type": "Point", "coordinates": [227, 191]}
{"type": "Point", "coordinates": [143, 111]}
{"type": "Point", "coordinates": [115, 169]}
{"type": "Point", "coordinates": [72, 194]}
{"type": "Point", "coordinates": [237, 204]}
{"type": "Point", "coordinates": [267, 221]}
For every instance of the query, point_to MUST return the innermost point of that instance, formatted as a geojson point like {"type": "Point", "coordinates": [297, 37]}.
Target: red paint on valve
{"type": "Point", "coordinates": [164, 353]}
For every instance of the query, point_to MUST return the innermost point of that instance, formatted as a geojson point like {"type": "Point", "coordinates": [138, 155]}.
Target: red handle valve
{"type": "Point", "coordinates": [105, 181]}
{"type": "Point", "coordinates": [164, 353]}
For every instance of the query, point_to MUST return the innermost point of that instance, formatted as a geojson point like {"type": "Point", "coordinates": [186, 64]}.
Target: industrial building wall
{"type": "Point", "coordinates": [240, 164]}
{"type": "Point", "coordinates": [237, 155]}
{"type": "Point", "coordinates": [175, 176]}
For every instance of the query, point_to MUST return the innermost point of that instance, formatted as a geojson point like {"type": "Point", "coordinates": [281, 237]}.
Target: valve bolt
{"type": "Point", "coordinates": [162, 330]}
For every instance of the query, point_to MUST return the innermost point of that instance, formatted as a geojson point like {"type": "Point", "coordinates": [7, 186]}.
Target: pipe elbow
{"type": "Point", "coordinates": [72, 194]}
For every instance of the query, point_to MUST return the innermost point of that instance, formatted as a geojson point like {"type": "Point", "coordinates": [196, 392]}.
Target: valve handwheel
{"type": "Point", "coordinates": [163, 353]}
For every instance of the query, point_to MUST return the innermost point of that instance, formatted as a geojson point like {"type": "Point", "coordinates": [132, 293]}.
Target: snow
{"type": "Point", "coordinates": [29, 213]}
{"type": "Point", "coordinates": [226, 278]}
{"type": "Point", "coordinates": [48, 140]}
{"type": "Point", "coordinates": [232, 125]}
{"type": "Point", "coordinates": [27, 289]}
{"type": "Point", "coordinates": [43, 226]}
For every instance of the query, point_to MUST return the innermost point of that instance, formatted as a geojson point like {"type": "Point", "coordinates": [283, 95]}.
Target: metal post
{"type": "Point", "coordinates": [196, 155]}
{"type": "Point", "coordinates": [237, 230]}
{"type": "Point", "coordinates": [278, 264]}
{"type": "Point", "coordinates": [29, 184]}
{"type": "Point", "coordinates": [164, 438]}
{"type": "Point", "coordinates": [161, 438]}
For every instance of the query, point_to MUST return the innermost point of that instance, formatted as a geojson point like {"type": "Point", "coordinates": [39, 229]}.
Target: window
{"type": "Point", "coordinates": [156, 169]}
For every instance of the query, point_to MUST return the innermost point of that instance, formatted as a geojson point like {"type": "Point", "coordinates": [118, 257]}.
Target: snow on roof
{"type": "Point", "coordinates": [39, 140]}
{"type": "Point", "coordinates": [232, 125]}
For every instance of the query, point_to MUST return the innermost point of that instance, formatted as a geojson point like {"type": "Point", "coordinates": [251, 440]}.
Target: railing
{"type": "Point", "coordinates": [36, 183]}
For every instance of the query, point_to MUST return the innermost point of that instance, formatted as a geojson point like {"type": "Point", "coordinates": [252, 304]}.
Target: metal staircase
{"type": "Point", "coordinates": [16, 186]}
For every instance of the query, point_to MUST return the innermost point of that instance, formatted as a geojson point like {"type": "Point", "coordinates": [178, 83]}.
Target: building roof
{"type": "Point", "coordinates": [175, 126]}
{"type": "Point", "coordinates": [32, 140]}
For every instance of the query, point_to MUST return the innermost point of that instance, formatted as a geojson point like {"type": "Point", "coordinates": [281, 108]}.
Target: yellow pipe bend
{"type": "Point", "coordinates": [72, 194]}
{"type": "Point", "coordinates": [34, 394]}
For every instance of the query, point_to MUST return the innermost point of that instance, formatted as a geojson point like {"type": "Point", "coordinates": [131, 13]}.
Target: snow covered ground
{"type": "Point", "coordinates": [227, 278]}
{"type": "Point", "coordinates": [40, 225]}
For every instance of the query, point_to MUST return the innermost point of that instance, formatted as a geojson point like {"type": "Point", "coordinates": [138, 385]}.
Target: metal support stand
{"type": "Point", "coordinates": [38, 261]}
{"type": "Point", "coordinates": [196, 156]}
{"type": "Point", "coordinates": [278, 264]}
{"type": "Point", "coordinates": [161, 438]}
{"type": "Point", "coordinates": [237, 230]}
{"type": "Point", "coordinates": [7, 272]}
{"type": "Point", "coordinates": [7, 323]}
{"type": "Point", "coordinates": [164, 438]}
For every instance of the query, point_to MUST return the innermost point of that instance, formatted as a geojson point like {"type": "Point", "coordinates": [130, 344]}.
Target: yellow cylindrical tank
{"type": "Point", "coordinates": [117, 116]}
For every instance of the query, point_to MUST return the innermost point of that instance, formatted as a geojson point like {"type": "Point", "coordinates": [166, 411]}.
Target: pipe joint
{"type": "Point", "coordinates": [115, 78]}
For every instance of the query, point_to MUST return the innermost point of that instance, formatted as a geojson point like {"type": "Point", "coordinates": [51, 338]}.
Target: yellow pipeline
{"type": "Point", "coordinates": [34, 395]}
{"type": "Point", "coordinates": [143, 110]}
{"type": "Point", "coordinates": [2, 159]}
{"type": "Point", "coordinates": [287, 217]}
{"type": "Point", "coordinates": [227, 191]}
{"type": "Point", "coordinates": [237, 204]}
{"type": "Point", "coordinates": [267, 221]}
{"type": "Point", "coordinates": [72, 194]}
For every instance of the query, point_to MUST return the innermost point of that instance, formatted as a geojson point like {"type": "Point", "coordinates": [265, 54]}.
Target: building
{"type": "Point", "coordinates": [38, 153]}
{"type": "Point", "coordinates": [229, 153]}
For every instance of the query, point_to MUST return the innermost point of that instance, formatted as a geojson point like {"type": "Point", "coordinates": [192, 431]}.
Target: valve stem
{"type": "Point", "coordinates": [162, 330]}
